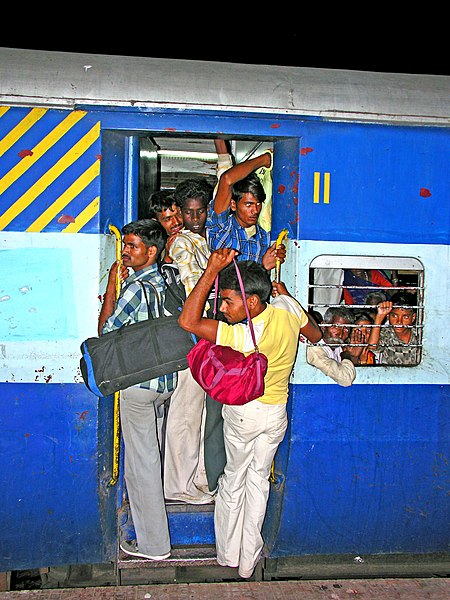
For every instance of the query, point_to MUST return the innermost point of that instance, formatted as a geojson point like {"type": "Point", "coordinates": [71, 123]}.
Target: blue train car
{"type": "Point", "coordinates": [360, 180]}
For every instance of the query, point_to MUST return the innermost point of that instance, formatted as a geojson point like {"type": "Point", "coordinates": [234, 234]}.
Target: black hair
{"type": "Point", "coordinates": [158, 202]}
{"type": "Point", "coordinates": [151, 232]}
{"type": "Point", "coordinates": [403, 299]}
{"type": "Point", "coordinates": [363, 315]}
{"type": "Point", "coordinates": [249, 185]}
{"type": "Point", "coordinates": [193, 188]}
{"type": "Point", "coordinates": [316, 315]}
{"type": "Point", "coordinates": [255, 278]}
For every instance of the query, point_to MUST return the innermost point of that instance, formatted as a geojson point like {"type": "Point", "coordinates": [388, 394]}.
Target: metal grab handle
{"type": "Point", "coordinates": [116, 418]}
{"type": "Point", "coordinates": [281, 236]}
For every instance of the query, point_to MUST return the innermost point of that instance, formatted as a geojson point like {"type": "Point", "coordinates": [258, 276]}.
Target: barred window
{"type": "Point", "coordinates": [360, 284]}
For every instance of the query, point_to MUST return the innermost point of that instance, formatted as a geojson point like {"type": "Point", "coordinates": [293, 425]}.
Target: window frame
{"type": "Point", "coordinates": [384, 263]}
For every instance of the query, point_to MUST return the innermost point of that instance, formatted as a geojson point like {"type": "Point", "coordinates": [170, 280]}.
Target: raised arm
{"type": "Point", "coordinates": [383, 309]}
{"type": "Point", "coordinates": [236, 173]}
{"type": "Point", "coordinates": [191, 317]}
{"type": "Point", "coordinates": [311, 329]}
{"type": "Point", "coordinates": [110, 297]}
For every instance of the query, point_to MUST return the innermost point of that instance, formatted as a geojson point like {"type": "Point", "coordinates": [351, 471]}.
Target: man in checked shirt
{"type": "Point", "coordinates": [143, 242]}
{"type": "Point", "coordinates": [234, 212]}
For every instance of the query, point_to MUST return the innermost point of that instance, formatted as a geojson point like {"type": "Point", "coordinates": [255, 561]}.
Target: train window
{"type": "Point", "coordinates": [359, 284]}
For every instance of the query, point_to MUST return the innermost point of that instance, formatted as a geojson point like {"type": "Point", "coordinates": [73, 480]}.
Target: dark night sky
{"type": "Point", "coordinates": [405, 44]}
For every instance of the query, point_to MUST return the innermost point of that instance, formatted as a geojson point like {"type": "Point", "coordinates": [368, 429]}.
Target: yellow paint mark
{"type": "Point", "coordinates": [48, 178]}
{"type": "Point", "coordinates": [84, 217]}
{"type": "Point", "coordinates": [21, 128]}
{"type": "Point", "coordinates": [60, 203]}
{"type": "Point", "coordinates": [40, 149]}
{"type": "Point", "coordinates": [326, 188]}
{"type": "Point", "coordinates": [3, 110]}
{"type": "Point", "coordinates": [316, 188]}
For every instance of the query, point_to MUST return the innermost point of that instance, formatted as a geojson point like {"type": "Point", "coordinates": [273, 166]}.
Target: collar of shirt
{"type": "Point", "coordinates": [142, 273]}
{"type": "Point", "coordinates": [250, 231]}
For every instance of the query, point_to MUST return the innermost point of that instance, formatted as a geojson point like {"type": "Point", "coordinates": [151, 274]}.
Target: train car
{"type": "Point", "coordinates": [360, 180]}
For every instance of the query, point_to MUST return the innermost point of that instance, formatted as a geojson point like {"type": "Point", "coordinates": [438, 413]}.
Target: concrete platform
{"type": "Point", "coordinates": [337, 589]}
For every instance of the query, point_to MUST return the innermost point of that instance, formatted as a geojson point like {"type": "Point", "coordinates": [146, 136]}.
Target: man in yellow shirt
{"type": "Point", "coordinates": [253, 431]}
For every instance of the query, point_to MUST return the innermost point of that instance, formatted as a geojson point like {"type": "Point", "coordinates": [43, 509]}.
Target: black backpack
{"type": "Point", "coordinates": [175, 292]}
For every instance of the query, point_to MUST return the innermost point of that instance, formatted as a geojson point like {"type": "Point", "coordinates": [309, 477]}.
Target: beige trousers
{"type": "Point", "coordinates": [184, 469]}
{"type": "Point", "coordinates": [252, 434]}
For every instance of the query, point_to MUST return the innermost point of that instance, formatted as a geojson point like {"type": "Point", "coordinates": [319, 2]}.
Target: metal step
{"type": "Point", "coordinates": [204, 555]}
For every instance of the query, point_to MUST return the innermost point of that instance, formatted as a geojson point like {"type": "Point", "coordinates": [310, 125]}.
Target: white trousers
{"type": "Point", "coordinates": [252, 435]}
{"type": "Point", "coordinates": [184, 469]}
{"type": "Point", "coordinates": [143, 474]}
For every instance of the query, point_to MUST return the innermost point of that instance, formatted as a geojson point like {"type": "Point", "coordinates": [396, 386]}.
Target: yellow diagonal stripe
{"type": "Point", "coordinates": [84, 217]}
{"type": "Point", "coordinates": [21, 128]}
{"type": "Point", "coordinates": [55, 171]}
{"type": "Point", "coordinates": [60, 203]}
{"type": "Point", "coordinates": [40, 149]}
{"type": "Point", "coordinates": [3, 110]}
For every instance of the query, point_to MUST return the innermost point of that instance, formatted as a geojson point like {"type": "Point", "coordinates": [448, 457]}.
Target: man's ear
{"type": "Point", "coordinates": [152, 252]}
{"type": "Point", "coordinates": [233, 205]}
{"type": "Point", "coordinates": [253, 301]}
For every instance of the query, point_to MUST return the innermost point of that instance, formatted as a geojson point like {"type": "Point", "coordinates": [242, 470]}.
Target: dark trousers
{"type": "Point", "coordinates": [215, 458]}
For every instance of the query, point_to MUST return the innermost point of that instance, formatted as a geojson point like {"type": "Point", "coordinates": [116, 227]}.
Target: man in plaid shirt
{"type": "Point", "coordinates": [233, 214]}
{"type": "Point", "coordinates": [143, 242]}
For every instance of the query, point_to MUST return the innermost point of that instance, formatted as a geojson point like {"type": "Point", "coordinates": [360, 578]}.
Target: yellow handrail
{"type": "Point", "coordinates": [116, 433]}
{"type": "Point", "coordinates": [281, 236]}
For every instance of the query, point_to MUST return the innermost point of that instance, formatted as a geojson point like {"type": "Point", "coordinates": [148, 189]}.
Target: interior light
{"type": "Point", "coordinates": [205, 156]}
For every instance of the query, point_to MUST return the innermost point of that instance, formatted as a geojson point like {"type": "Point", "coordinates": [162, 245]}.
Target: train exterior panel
{"type": "Point", "coordinates": [360, 173]}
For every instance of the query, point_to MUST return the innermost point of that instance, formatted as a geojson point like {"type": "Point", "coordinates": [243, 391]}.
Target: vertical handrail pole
{"type": "Point", "coordinates": [116, 431]}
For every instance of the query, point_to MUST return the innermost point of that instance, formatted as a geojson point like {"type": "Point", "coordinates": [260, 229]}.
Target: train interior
{"type": "Point", "coordinates": [165, 161]}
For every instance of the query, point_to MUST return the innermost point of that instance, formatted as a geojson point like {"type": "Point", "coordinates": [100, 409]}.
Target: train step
{"type": "Point", "coordinates": [203, 555]}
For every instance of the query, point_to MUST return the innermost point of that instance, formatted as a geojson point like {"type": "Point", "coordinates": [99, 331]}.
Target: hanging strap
{"type": "Point", "coordinates": [160, 307]}
{"type": "Point", "coordinates": [241, 285]}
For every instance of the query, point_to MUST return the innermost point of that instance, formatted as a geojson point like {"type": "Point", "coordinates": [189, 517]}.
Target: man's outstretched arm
{"type": "Point", "coordinates": [191, 317]}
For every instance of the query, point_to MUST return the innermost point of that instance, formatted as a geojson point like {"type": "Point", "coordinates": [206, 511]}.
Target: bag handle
{"type": "Point", "coordinates": [160, 308]}
{"type": "Point", "coordinates": [241, 285]}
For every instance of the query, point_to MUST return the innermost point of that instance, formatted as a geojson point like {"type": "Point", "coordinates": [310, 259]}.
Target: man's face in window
{"type": "Point", "coordinates": [400, 318]}
{"type": "Point", "coordinates": [337, 332]}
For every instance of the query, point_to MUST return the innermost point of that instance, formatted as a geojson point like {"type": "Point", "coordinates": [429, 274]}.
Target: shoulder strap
{"type": "Point", "coordinates": [160, 308]}
{"type": "Point", "coordinates": [241, 285]}
{"type": "Point", "coordinates": [249, 319]}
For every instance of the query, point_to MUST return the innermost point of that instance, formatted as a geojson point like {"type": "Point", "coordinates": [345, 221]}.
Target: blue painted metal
{"type": "Point", "coordinates": [380, 179]}
{"type": "Point", "coordinates": [189, 528]}
{"type": "Point", "coordinates": [54, 461]}
{"type": "Point", "coordinates": [366, 471]}
{"type": "Point", "coordinates": [60, 165]}
{"type": "Point", "coordinates": [361, 469]}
